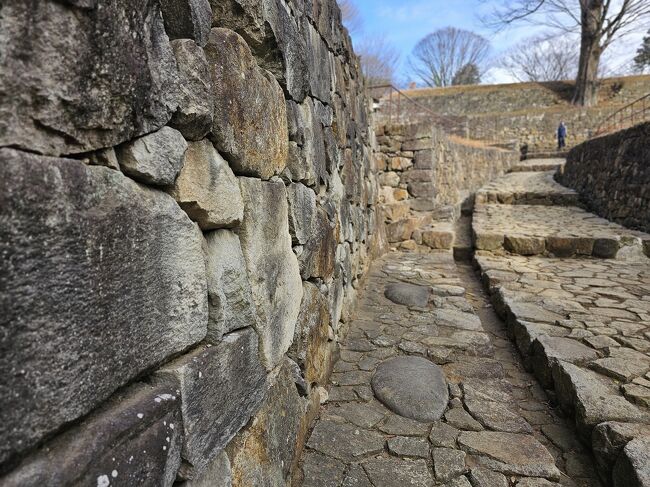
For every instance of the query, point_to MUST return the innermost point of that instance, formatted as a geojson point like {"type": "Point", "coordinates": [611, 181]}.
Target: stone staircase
{"type": "Point", "coordinates": [574, 290]}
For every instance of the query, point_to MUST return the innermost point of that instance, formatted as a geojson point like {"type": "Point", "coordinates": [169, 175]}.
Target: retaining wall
{"type": "Point", "coordinates": [426, 175]}
{"type": "Point", "coordinates": [188, 207]}
{"type": "Point", "coordinates": [612, 176]}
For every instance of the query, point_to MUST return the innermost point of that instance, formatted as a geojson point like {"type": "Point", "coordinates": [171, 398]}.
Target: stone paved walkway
{"type": "Point", "coordinates": [582, 324]}
{"type": "Point", "coordinates": [537, 165]}
{"type": "Point", "coordinates": [496, 427]}
{"type": "Point", "coordinates": [530, 188]}
{"type": "Point", "coordinates": [559, 230]}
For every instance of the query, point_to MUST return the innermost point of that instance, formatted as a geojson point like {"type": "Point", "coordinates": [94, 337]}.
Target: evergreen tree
{"type": "Point", "coordinates": [642, 59]}
{"type": "Point", "coordinates": [467, 75]}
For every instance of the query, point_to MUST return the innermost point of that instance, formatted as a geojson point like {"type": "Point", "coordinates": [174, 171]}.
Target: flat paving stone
{"type": "Point", "coordinates": [448, 463]}
{"type": "Point", "coordinates": [412, 387]}
{"type": "Point", "coordinates": [390, 472]}
{"type": "Point", "coordinates": [405, 446]}
{"type": "Point", "coordinates": [512, 453]}
{"type": "Point", "coordinates": [344, 441]}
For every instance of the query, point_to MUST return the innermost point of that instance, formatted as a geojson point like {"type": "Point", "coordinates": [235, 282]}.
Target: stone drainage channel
{"type": "Point", "coordinates": [429, 391]}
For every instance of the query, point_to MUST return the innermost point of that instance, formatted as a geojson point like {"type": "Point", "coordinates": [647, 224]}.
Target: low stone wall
{"type": "Point", "coordinates": [612, 176]}
{"type": "Point", "coordinates": [426, 176]}
{"type": "Point", "coordinates": [526, 114]}
{"type": "Point", "coordinates": [188, 207]}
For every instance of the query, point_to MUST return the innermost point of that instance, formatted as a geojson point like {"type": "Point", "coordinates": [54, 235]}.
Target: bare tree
{"type": "Point", "coordinates": [642, 58]}
{"type": "Point", "coordinates": [379, 60]}
{"type": "Point", "coordinates": [438, 57]}
{"type": "Point", "coordinates": [543, 59]}
{"type": "Point", "coordinates": [599, 22]}
{"type": "Point", "coordinates": [351, 16]}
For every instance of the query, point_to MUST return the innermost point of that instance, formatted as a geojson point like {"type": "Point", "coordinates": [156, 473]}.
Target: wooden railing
{"type": "Point", "coordinates": [631, 114]}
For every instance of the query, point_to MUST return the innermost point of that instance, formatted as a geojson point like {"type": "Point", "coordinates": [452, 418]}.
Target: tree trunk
{"type": "Point", "coordinates": [590, 51]}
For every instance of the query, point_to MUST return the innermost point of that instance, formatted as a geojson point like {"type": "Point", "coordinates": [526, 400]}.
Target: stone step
{"type": "Point", "coordinates": [547, 154]}
{"type": "Point", "coordinates": [548, 164]}
{"type": "Point", "coordinates": [528, 188]}
{"type": "Point", "coordinates": [583, 326]}
{"type": "Point", "coordinates": [554, 230]}
{"type": "Point", "coordinates": [388, 419]}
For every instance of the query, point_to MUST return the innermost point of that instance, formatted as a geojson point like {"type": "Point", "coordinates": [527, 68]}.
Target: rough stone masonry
{"type": "Point", "coordinates": [187, 209]}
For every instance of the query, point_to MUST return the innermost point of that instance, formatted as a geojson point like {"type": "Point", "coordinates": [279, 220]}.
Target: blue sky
{"type": "Point", "coordinates": [403, 22]}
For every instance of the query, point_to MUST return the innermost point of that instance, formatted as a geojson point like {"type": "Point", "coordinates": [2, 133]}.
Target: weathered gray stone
{"type": "Point", "coordinates": [135, 439]}
{"type": "Point", "coordinates": [231, 305]}
{"type": "Point", "coordinates": [412, 387]}
{"type": "Point", "coordinates": [104, 157]}
{"type": "Point", "coordinates": [365, 415]}
{"type": "Point", "coordinates": [320, 72]}
{"type": "Point", "coordinates": [399, 425]}
{"type": "Point", "coordinates": [272, 265]}
{"type": "Point", "coordinates": [302, 212]}
{"type": "Point", "coordinates": [187, 19]}
{"type": "Point", "coordinates": [218, 474]}
{"type": "Point", "coordinates": [112, 81]}
{"type": "Point", "coordinates": [461, 419]}
{"type": "Point", "coordinates": [548, 350]}
{"type": "Point", "coordinates": [274, 37]}
{"type": "Point", "coordinates": [510, 453]}
{"type": "Point", "coordinates": [321, 471]}
{"type": "Point", "coordinates": [195, 112]}
{"type": "Point", "coordinates": [209, 379]}
{"type": "Point", "coordinates": [264, 453]}
{"type": "Point", "coordinates": [155, 159]}
{"type": "Point", "coordinates": [311, 346]}
{"type": "Point", "coordinates": [443, 435]}
{"type": "Point", "coordinates": [498, 417]}
{"type": "Point", "coordinates": [313, 157]}
{"type": "Point", "coordinates": [356, 477]}
{"type": "Point", "coordinates": [593, 398]}
{"type": "Point", "coordinates": [69, 299]}
{"type": "Point", "coordinates": [318, 257]}
{"type": "Point", "coordinates": [448, 463]}
{"type": "Point", "coordinates": [408, 294]}
{"type": "Point", "coordinates": [535, 482]}
{"type": "Point", "coordinates": [403, 446]}
{"type": "Point", "coordinates": [250, 118]}
{"type": "Point", "coordinates": [207, 189]}
{"type": "Point", "coordinates": [633, 466]}
{"type": "Point", "coordinates": [390, 471]}
{"type": "Point", "coordinates": [482, 477]}
{"type": "Point", "coordinates": [609, 439]}
{"type": "Point", "coordinates": [344, 441]}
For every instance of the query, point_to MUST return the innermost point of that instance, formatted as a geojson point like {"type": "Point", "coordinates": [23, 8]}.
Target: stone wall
{"type": "Point", "coordinates": [612, 176]}
{"type": "Point", "coordinates": [426, 176]}
{"type": "Point", "coordinates": [526, 114]}
{"type": "Point", "coordinates": [188, 207]}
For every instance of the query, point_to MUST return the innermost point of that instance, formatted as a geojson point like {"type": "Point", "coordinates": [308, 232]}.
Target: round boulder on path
{"type": "Point", "coordinates": [412, 387]}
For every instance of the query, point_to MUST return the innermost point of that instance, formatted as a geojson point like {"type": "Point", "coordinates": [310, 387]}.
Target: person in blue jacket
{"type": "Point", "coordinates": [561, 136]}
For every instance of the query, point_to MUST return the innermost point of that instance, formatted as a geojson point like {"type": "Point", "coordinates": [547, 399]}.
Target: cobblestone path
{"type": "Point", "coordinates": [496, 426]}
{"type": "Point", "coordinates": [577, 304]}
{"type": "Point", "coordinates": [546, 361]}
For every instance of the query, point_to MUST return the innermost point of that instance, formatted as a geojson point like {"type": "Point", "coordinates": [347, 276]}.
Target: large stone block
{"type": "Point", "coordinates": [302, 212]}
{"type": "Point", "coordinates": [319, 253]}
{"type": "Point", "coordinates": [156, 158]}
{"type": "Point", "coordinates": [272, 265]}
{"type": "Point", "coordinates": [229, 291]}
{"type": "Point", "coordinates": [87, 255]}
{"type": "Point", "coordinates": [273, 36]}
{"type": "Point", "coordinates": [250, 117]}
{"type": "Point", "coordinates": [220, 387]}
{"type": "Point", "coordinates": [319, 63]}
{"type": "Point", "coordinates": [135, 439]}
{"type": "Point", "coordinates": [79, 76]}
{"type": "Point", "coordinates": [263, 453]}
{"type": "Point", "coordinates": [187, 19]}
{"type": "Point", "coordinates": [311, 348]}
{"type": "Point", "coordinates": [195, 113]}
{"type": "Point", "coordinates": [207, 189]}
